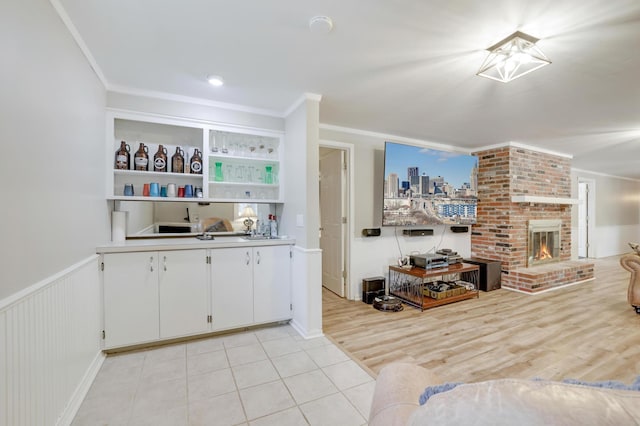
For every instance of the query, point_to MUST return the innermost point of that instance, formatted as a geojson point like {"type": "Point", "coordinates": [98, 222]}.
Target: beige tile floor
{"type": "Point", "coordinates": [268, 376]}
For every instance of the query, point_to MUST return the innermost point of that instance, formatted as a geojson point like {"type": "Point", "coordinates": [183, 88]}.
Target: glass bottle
{"type": "Point", "coordinates": [141, 158]}
{"type": "Point", "coordinates": [123, 156]}
{"type": "Point", "coordinates": [195, 165]}
{"type": "Point", "coordinates": [160, 159]}
{"type": "Point", "coordinates": [177, 161]}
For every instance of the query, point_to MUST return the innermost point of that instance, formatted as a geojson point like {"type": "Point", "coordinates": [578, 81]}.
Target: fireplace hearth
{"type": "Point", "coordinates": [544, 241]}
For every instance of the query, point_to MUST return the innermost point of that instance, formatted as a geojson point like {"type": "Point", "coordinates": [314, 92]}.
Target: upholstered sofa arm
{"type": "Point", "coordinates": [397, 392]}
{"type": "Point", "coordinates": [631, 262]}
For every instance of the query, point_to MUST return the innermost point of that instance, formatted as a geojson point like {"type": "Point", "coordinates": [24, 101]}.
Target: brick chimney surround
{"type": "Point", "coordinates": [506, 176]}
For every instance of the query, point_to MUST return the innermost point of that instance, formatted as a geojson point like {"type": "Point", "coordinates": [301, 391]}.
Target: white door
{"type": "Point", "coordinates": [332, 214]}
{"type": "Point", "coordinates": [586, 216]}
{"type": "Point", "coordinates": [231, 287]}
{"type": "Point", "coordinates": [184, 292]}
{"type": "Point", "coordinates": [130, 298]}
{"type": "Point", "coordinates": [271, 283]}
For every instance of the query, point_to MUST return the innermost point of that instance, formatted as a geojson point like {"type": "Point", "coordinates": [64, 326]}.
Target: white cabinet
{"type": "Point", "coordinates": [154, 295]}
{"type": "Point", "coordinates": [271, 284]}
{"type": "Point", "coordinates": [250, 285]}
{"type": "Point", "coordinates": [150, 296]}
{"type": "Point", "coordinates": [184, 292]}
{"type": "Point", "coordinates": [231, 287]}
{"type": "Point", "coordinates": [131, 313]}
{"type": "Point", "coordinates": [236, 165]}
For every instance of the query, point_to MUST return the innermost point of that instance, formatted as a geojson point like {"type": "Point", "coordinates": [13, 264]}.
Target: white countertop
{"type": "Point", "coordinates": [188, 243]}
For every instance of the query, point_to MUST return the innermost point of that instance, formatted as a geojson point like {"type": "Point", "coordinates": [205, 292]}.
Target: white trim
{"type": "Point", "coordinates": [81, 391]}
{"type": "Point", "coordinates": [523, 146]}
{"type": "Point", "coordinates": [350, 149]}
{"type": "Point", "coordinates": [128, 114]}
{"type": "Point", "coordinates": [62, 13]}
{"type": "Point", "coordinates": [302, 332]}
{"type": "Point", "coordinates": [604, 174]}
{"type": "Point", "coordinates": [549, 289]}
{"type": "Point", "coordinates": [17, 297]}
{"type": "Point", "coordinates": [307, 250]}
{"type": "Point", "coordinates": [388, 137]}
{"type": "Point", "coordinates": [542, 200]}
{"type": "Point", "coordinates": [188, 99]}
{"type": "Point", "coordinates": [305, 97]}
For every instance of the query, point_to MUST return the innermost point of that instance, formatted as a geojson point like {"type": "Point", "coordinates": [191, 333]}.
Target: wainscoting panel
{"type": "Point", "coordinates": [50, 347]}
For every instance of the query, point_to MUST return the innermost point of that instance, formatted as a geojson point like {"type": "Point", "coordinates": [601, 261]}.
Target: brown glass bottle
{"type": "Point", "coordinates": [160, 159]}
{"type": "Point", "coordinates": [177, 161]}
{"type": "Point", "coordinates": [195, 165]}
{"type": "Point", "coordinates": [123, 156]}
{"type": "Point", "coordinates": [141, 158]}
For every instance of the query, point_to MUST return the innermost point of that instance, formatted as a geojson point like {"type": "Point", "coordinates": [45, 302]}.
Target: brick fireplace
{"type": "Point", "coordinates": [518, 187]}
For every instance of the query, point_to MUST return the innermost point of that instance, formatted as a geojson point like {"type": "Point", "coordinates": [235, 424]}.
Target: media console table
{"type": "Point", "coordinates": [408, 284]}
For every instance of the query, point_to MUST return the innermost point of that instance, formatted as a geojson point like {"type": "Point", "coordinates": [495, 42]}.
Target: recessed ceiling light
{"type": "Point", "coordinates": [215, 80]}
{"type": "Point", "coordinates": [320, 24]}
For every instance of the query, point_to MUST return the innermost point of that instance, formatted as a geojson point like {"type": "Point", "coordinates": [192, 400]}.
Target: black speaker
{"type": "Point", "coordinates": [490, 273]}
{"type": "Point", "coordinates": [459, 229]}
{"type": "Point", "coordinates": [417, 232]}
{"type": "Point", "coordinates": [372, 288]}
{"type": "Point", "coordinates": [371, 232]}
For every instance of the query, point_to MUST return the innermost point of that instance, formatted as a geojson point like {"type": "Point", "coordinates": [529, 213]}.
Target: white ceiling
{"type": "Point", "coordinates": [403, 67]}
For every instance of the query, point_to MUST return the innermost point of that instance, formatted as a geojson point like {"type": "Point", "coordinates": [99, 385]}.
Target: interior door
{"type": "Point", "coordinates": [332, 228]}
{"type": "Point", "coordinates": [582, 219]}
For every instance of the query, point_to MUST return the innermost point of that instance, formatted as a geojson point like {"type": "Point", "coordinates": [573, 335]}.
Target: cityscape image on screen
{"type": "Point", "coordinates": [424, 186]}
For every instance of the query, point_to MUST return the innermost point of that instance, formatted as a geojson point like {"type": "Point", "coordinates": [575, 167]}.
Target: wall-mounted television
{"type": "Point", "coordinates": [425, 186]}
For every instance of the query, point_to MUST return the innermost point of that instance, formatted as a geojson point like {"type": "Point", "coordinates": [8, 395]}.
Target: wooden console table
{"type": "Point", "coordinates": [409, 284]}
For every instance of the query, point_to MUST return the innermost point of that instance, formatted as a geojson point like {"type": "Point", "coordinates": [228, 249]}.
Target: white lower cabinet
{"type": "Point", "coordinates": [231, 287]}
{"type": "Point", "coordinates": [250, 286]}
{"type": "Point", "coordinates": [131, 310]}
{"type": "Point", "coordinates": [151, 296]}
{"type": "Point", "coordinates": [154, 295]}
{"type": "Point", "coordinates": [271, 284]}
{"type": "Point", "coordinates": [184, 292]}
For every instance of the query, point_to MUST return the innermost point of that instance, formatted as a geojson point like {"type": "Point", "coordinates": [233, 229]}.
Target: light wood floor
{"type": "Point", "coordinates": [586, 331]}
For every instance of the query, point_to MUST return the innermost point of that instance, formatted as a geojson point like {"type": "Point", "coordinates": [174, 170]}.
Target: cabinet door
{"type": "Point", "coordinates": [272, 284]}
{"type": "Point", "coordinates": [232, 287]}
{"type": "Point", "coordinates": [130, 298]}
{"type": "Point", "coordinates": [184, 292]}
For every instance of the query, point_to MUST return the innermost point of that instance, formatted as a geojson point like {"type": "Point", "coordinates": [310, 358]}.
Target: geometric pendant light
{"type": "Point", "coordinates": [513, 57]}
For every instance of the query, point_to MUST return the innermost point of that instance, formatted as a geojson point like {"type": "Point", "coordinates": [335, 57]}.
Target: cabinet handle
{"type": "Point", "coordinates": [248, 258]}
{"type": "Point", "coordinates": [164, 260]}
{"type": "Point", "coordinates": [151, 263]}
{"type": "Point", "coordinates": [258, 258]}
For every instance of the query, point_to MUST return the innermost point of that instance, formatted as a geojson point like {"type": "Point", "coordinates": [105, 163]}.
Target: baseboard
{"type": "Point", "coordinates": [81, 391]}
{"type": "Point", "coordinates": [303, 332]}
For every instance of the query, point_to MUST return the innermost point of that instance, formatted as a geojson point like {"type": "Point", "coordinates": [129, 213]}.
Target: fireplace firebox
{"type": "Point", "coordinates": [544, 241]}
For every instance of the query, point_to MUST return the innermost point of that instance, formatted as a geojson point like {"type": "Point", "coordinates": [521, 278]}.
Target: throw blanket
{"type": "Point", "coordinates": [608, 384]}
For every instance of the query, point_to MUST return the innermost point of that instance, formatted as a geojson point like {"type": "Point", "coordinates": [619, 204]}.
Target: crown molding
{"type": "Point", "coordinates": [62, 13]}
{"type": "Point", "coordinates": [395, 138]}
{"type": "Point", "coordinates": [304, 97]}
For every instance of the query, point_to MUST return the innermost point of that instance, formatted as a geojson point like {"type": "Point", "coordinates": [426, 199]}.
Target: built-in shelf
{"type": "Point", "coordinates": [542, 200]}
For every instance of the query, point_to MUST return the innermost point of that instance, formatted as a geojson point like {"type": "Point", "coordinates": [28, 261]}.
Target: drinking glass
{"type": "Point", "coordinates": [214, 146]}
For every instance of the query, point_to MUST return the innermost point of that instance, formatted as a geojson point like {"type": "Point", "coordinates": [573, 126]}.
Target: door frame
{"type": "Point", "coordinates": [591, 214]}
{"type": "Point", "coordinates": [350, 292]}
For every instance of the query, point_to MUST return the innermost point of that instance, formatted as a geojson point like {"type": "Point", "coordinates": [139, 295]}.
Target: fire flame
{"type": "Point", "coordinates": [543, 253]}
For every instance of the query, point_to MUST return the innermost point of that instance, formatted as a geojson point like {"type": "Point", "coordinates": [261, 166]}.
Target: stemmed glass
{"type": "Point", "coordinates": [214, 147]}
{"type": "Point", "coordinates": [224, 138]}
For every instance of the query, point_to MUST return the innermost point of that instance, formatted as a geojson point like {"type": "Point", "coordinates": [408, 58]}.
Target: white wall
{"type": "Point", "coordinates": [52, 130]}
{"type": "Point", "coordinates": [617, 213]}
{"type": "Point", "coordinates": [371, 256]}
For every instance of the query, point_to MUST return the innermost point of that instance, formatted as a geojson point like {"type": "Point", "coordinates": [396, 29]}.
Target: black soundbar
{"type": "Point", "coordinates": [417, 232]}
{"type": "Point", "coordinates": [459, 229]}
{"type": "Point", "coordinates": [371, 232]}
